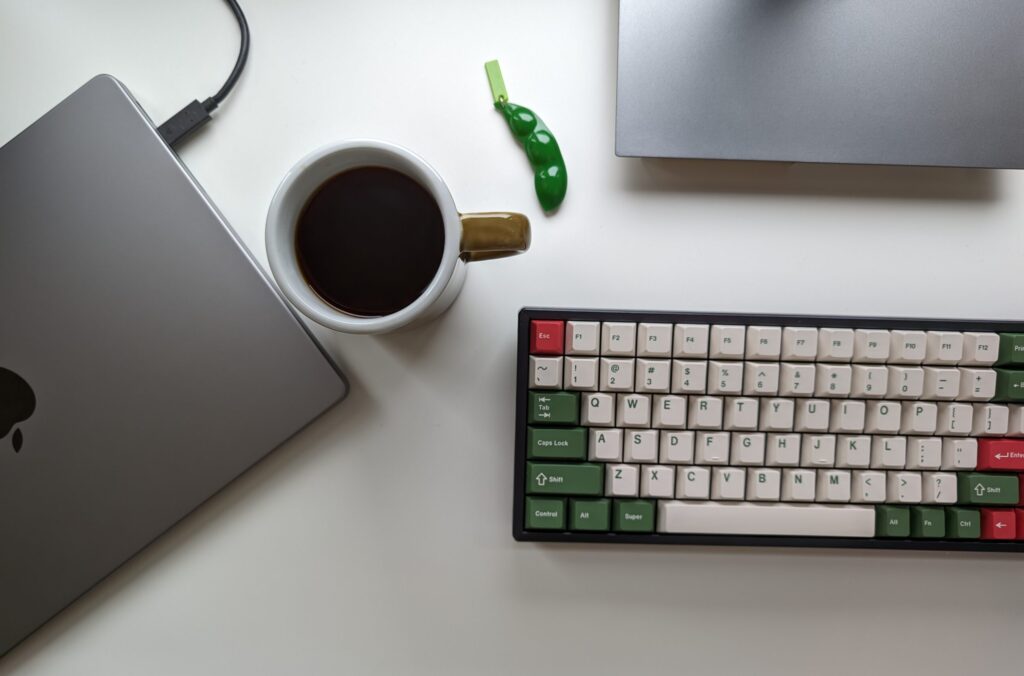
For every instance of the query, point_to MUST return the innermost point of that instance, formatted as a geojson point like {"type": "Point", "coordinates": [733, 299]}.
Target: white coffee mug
{"type": "Point", "coordinates": [468, 237]}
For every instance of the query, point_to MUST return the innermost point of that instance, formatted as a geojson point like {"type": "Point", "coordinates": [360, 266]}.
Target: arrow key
{"type": "Point", "coordinates": [998, 524]}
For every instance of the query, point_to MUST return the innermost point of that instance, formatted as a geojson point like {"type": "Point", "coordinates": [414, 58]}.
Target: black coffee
{"type": "Point", "coordinates": [370, 240]}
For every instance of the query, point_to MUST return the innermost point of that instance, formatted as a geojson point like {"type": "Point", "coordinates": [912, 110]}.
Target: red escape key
{"type": "Point", "coordinates": [546, 336]}
{"type": "Point", "coordinates": [1001, 455]}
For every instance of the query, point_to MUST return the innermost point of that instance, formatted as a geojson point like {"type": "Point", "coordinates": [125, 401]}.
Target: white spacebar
{"type": "Point", "coordinates": [749, 518]}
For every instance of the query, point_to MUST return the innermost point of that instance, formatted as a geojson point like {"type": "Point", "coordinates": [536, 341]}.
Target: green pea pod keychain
{"type": "Point", "coordinates": [550, 180]}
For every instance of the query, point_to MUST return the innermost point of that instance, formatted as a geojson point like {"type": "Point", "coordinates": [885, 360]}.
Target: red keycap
{"type": "Point", "coordinates": [1020, 478]}
{"type": "Point", "coordinates": [1020, 523]}
{"type": "Point", "coordinates": [998, 524]}
{"type": "Point", "coordinates": [546, 336]}
{"type": "Point", "coordinates": [1001, 455]}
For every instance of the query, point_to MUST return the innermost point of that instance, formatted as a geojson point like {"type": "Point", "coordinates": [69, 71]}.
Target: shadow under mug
{"type": "Point", "coordinates": [468, 237]}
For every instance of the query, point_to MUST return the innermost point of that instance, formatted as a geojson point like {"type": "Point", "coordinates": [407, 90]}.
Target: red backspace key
{"type": "Point", "coordinates": [546, 336]}
{"type": "Point", "coordinates": [1001, 455]}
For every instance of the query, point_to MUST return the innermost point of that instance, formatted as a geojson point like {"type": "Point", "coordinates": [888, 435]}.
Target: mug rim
{"type": "Point", "coordinates": [282, 220]}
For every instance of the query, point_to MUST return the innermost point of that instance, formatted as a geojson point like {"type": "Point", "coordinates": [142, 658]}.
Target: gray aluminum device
{"type": "Point", "coordinates": [161, 362]}
{"type": "Point", "coordinates": [916, 82]}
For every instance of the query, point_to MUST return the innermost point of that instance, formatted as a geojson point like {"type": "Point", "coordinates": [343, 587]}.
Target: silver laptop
{"type": "Point", "coordinates": [145, 359]}
{"type": "Point", "coordinates": [925, 82]}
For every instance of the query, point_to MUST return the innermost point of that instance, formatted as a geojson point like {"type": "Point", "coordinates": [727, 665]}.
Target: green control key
{"type": "Point", "coordinates": [558, 479]}
{"type": "Point", "coordinates": [975, 488]}
{"type": "Point", "coordinates": [554, 408]}
{"type": "Point", "coordinates": [545, 514]}
{"type": "Point", "coordinates": [557, 443]}
{"type": "Point", "coordinates": [963, 523]}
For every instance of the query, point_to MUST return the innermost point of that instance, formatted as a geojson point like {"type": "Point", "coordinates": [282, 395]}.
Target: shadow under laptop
{"type": "Point", "coordinates": [817, 180]}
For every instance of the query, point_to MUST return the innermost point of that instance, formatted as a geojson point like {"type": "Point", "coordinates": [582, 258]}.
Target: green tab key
{"type": "Point", "coordinates": [554, 408]}
{"type": "Point", "coordinates": [974, 488]}
{"type": "Point", "coordinates": [557, 443]}
{"type": "Point", "coordinates": [557, 479]}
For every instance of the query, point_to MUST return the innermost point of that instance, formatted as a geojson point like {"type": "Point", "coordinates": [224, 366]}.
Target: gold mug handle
{"type": "Point", "coordinates": [493, 235]}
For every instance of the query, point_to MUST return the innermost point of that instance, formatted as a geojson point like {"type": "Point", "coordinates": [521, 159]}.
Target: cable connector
{"type": "Point", "coordinates": [184, 123]}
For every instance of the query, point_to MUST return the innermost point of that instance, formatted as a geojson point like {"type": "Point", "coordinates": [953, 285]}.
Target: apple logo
{"type": "Point", "coordinates": [17, 403]}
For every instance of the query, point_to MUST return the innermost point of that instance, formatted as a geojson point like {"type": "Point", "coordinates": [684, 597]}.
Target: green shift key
{"type": "Point", "coordinates": [557, 443]}
{"type": "Point", "coordinates": [554, 408]}
{"type": "Point", "coordinates": [975, 488]}
{"type": "Point", "coordinates": [568, 479]}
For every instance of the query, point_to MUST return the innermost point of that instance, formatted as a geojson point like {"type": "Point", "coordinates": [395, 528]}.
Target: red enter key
{"type": "Point", "coordinates": [1001, 455]}
{"type": "Point", "coordinates": [546, 337]}
{"type": "Point", "coordinates": [998, 524]}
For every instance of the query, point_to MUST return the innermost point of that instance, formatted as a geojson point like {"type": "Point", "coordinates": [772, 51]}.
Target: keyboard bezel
{"type": "Point", "coordinates": [519, 531]}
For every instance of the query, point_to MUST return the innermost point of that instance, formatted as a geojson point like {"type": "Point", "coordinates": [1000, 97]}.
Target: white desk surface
{"type": "Point", "coordinates": [378, 541]}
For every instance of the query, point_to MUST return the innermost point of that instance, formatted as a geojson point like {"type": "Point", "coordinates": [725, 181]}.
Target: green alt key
{"type": "Point", "coordinates": [567, 479]}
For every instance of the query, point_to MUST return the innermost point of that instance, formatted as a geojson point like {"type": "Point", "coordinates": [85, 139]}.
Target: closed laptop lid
{"type": "Point", "coordinates": [155, 359]}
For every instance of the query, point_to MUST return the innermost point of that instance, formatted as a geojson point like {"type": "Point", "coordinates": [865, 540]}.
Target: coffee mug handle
{"type": "Point", "coordinates": [493, 235]}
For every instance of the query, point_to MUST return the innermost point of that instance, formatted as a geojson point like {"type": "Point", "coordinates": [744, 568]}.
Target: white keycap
{"type": "Point", "coordinates": [749, 518]}
{"type": "Point", "coordinates": [689, 377]}
{"type": "Point", "coordinates": [980, 349]}
{"type": "Point", "coordinates": [582, 338]}
{"type": "Point", "coordinates": [833, 485]}
{"type": "Point", "coordinates": [727, 342]}
{"type": "Point", "coordinates": [798, 485]}
{"type": "Point", "coordinates": [704, 413]}
{"type": "Point", "coordinates": [869, 381]}
{"type": "Point", "coordinates": [741, 413]}
{"type": "Point", "coordinates": [747, 448]}
{"type": "Point", "coordinates": [598, 410]}
{"type": "Point", "coordinates": [904, 487]}
{"type": "Point", "coordinates": [654, 340]}
{"type": "Point", "coordinates": [725, 377]}
{"type": "Point", "coordinates": [818, 450]}
{"type": "Point", "coordinates": [605, 445]}
{"type": "Point", "coordinates": [546, 373]}
{"type": "Point", "coordinates": [760, 378]}
{"type": "Point", "coordinates": [653, 375]}
{"type": "Point", "coordinates": [621, 481]}
{"type": "Point", "coordinates": [690, 341]}
{"type": "Point", "coordinates": [617, 374]}
{"type": "Point", "coordinates": [675, 447]}
{"type": "Point", "coordinates": [888, 452]}
{"type": "Point", "coordinates": [640, 446]}
{"type": "Point", "coordinates": [669, 411]}
{"type": "Point", "coordinates": [848, 417]}
{"type": "Point", "coordinates": [944, 347]}
{"type": "Point", "coordinates": [941, 383]}
{"type": "Point", "coordinates": [853, 451]}
{"type": "Point", "coordinates": [782, 450]}
{"type": "Point", "coordinates": [924, 453]}
{"type": "Point", "coordinates": [977, 384]}
{"type": "Point", "coordinates": [580, 373]}
{"type": "Point", "coordinates": [868, 486]}
{"type": "Point", "coordinates": [907, 347]}
{"type": "Point", "coordinates": [764, 484]}
{"type": "Point", "coordinates": [959, 453]}
{"type": "Point", "coordinates": [777, 415]}
{"type": "Point", "coordinates": [618, 339]}
{"type": "Point", "coordinates": [657, 481]}
{"type": "Point", "coordinates": [835, 345]}
{"type": "Point", "coordinates": [955, 419]}
{"type": "Point", "coordinates": [990, 420]}
{"type": "Point", "coordinates": [812, 415]}
{"type": "Point", "coordinates": [832, 380]}
{"type": "Point", "coordinates": [871, 346]}
{"type": "Point", "coordinates": [693, 483]}
{"type": "Point", "coordinates": [906, 382]}
{"type": "Point", "coordinates": [727, 483]}
{"type": "Point", "coordinates": [633, 410]}
{"type": "Point", "coordinates": [938, 488]}
{"type": "Point", "coordinates": [796, 380]}
{"type": "Point", "coordinates": [764, 342]}
{"type": "Point", "coordinates": [1015, 426]}
{"type": "Point", "coordinates": [919, 417]}
{"type": "Point", "coordinates": [799, 343]}
{"type": "Point", "coordinates": [883, 417]}
{"type": "Point", "coordinates": [711, 448]}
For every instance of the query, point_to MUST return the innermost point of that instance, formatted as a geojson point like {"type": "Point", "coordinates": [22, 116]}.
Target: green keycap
{"type": "Point", "coordinates": [974, 488]}
{"type": "Point", "coordinates": [927, 522]}
{"type": "Point", "coordinates": [557, 443]}
{"type": "Point", "coordinates": [963, 523]}
{"type": "Point", "coordinates": [554, 408]}
{"type": "Point", "coordinates": [634, 516]}
{"type": "Point", "coordinates": [545, 514]}
{"type": "Point", "coordinates": [589, 514]}
{"type": "Point", "coordinates": [1011, 349]}
{"type": "Point", "coordinates": [892, 522]}
{"type": "Point", "coordinates": [1009, 385]}
{"type": "Point", "coordinates": [583, 479]}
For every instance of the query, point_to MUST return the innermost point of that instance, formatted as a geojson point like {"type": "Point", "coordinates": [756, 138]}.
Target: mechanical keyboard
{"type": "Point", "coordinates": [665, 427]}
